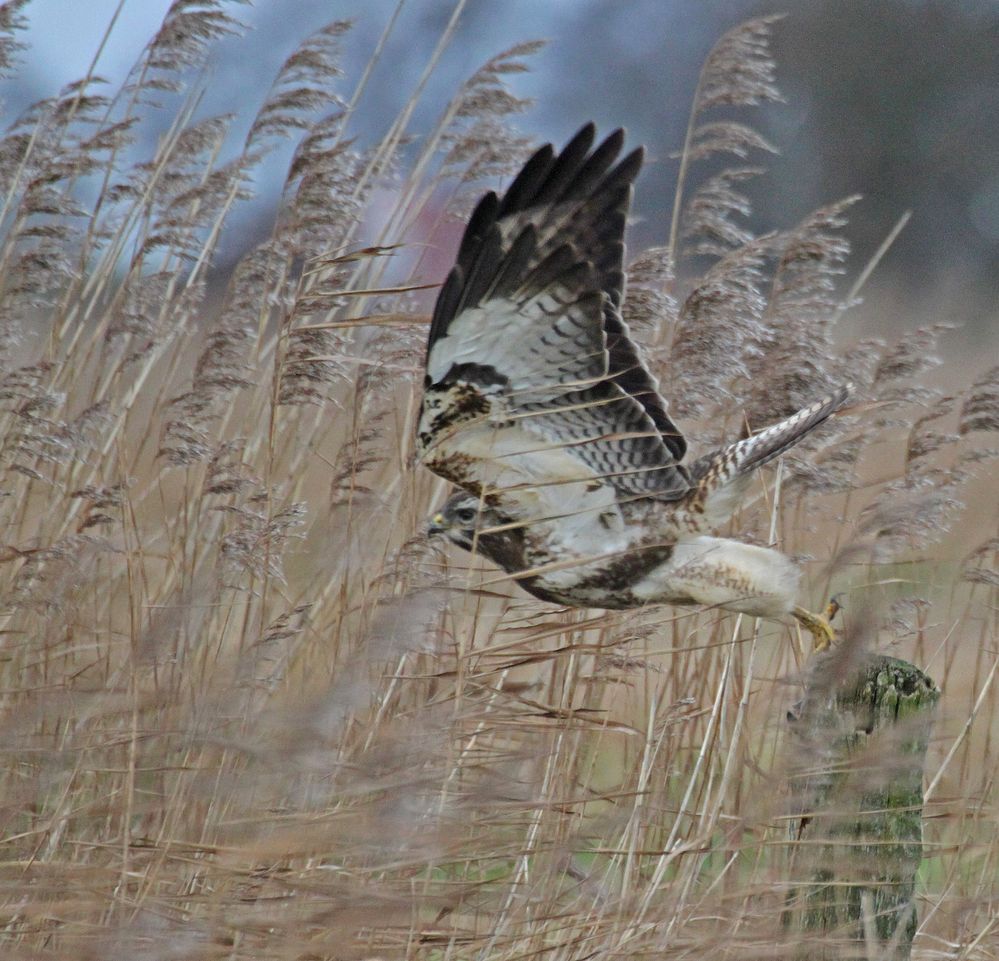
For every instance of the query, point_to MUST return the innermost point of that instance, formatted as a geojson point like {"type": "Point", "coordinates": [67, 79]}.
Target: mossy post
{"type": "Point", "coordinates": [857, 782]}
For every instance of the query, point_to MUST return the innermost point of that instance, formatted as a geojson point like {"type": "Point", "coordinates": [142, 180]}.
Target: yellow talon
{"type": "Point", "coordinates": [832, 608]}
{"type": "Point", "coordinates": [818, 625]}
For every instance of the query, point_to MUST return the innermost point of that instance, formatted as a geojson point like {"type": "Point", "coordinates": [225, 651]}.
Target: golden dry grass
{"type": "Point", "coordinates": [250, 712]}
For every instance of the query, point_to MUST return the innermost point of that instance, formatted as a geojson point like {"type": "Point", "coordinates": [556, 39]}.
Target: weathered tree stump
{"type": "Point", "coordinates": [860, 741]}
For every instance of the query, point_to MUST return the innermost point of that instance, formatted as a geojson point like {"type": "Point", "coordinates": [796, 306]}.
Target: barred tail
{"type": "Point", "coordinates": [771, 442]}
{"type": "Point", "coordinates": [721, 478]}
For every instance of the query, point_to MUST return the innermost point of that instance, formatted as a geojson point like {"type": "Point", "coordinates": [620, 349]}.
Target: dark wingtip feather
{"type": "Point", "coordinates": [532, 176]}
{"type": "Point", "coordinates": [481, 271]}
{"type": "Point", "coordinates": [594, 168]}
{"type": "Point", "coordinates": [628, 169]}
{"type": "Point", "coordinates": [447, 303]}
{"type": "Point", "coordinates": [483, 217]}
{"type": "Point", "coordinates": [515, 263]}
{"type": "Point", "coordinates": [558, 265]}
{"type": "Point", "coordinates": [567, 165]}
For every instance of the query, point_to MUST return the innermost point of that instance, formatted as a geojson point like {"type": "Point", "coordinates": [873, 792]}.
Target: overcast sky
{"type": "Point", "coordinates": [894, 99]}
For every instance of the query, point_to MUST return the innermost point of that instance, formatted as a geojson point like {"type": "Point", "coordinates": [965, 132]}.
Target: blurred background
{"type": "Point", "coordinates": [896, 100]}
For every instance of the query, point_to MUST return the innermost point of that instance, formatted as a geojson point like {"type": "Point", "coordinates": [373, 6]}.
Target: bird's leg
{"type": "Point", "coordinates": [818, 624]}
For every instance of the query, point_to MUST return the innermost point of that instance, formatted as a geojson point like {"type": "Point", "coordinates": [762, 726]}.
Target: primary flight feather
{"type": "Point", "coordinates": [537, 406]}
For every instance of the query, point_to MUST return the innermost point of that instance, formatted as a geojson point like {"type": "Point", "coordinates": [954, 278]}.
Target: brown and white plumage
{"type": "Point", "coordinates": [539, 408]}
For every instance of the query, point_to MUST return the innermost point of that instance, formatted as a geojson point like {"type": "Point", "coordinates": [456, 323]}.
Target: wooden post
{"type": "Point", "coordinates": [860, 741]}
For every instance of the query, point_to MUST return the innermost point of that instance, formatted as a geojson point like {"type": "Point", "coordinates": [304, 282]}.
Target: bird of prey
{"type": "Point", "coordinates": [538, 407]}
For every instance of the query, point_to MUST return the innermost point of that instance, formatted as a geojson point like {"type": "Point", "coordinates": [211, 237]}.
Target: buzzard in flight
{"type": "Point", "coordinates": [539, 409]}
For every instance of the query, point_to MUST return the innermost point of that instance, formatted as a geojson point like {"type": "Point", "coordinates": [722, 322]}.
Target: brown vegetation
{"type": "Point", "coordinates": [250, 712]}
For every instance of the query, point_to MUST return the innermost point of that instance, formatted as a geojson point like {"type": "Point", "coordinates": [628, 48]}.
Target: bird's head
{"type": "Point", "coordinates": [462, 519]}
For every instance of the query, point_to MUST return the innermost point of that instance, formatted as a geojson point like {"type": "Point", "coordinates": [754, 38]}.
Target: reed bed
{"type": "Point", "coordinates": [251, 712]}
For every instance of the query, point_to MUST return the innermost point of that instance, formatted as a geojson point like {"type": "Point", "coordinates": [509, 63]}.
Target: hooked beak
{"type": "Point", "coordinates": [436, 526]}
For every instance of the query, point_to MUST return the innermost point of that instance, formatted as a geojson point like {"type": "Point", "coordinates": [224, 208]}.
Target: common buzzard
{"type": "Point", "coordinates": [538, 407]}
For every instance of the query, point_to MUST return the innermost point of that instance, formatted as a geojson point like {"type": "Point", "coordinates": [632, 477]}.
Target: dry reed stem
{"type": "Point", "coordinates": [250, 712]}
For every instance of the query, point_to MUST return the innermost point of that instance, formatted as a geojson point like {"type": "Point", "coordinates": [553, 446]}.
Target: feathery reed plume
{"type": "Point", "coordinates": [726, 306]}
{"type": "Point", "coordinates": [12, 20]}
{"type": "Point", "coordinates": [188, 30]}
{"type": "Point", "coordinates": [980, 408]}
{"type": "Point", "coordinates": [250, 711]}
{"type": "Point", "coordinates": [796, 345]}
{"type": "Point", "coordinates": [738, 72]}
{"type": "Point", "coordinates": [477, 140]}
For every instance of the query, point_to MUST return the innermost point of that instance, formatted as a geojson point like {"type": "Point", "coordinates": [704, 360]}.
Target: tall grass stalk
{"type": "Point", "coordinates": [251, 712]}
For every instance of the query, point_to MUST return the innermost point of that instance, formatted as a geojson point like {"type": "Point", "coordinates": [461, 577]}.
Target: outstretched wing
{"type": "Point", "coordinates": [534, 395]}
{"type": "Point", "coordinates": [721, 477]}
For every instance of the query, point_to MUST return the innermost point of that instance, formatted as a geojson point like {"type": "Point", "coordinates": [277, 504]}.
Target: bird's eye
{"type": "Point", "coordinates": [466, 514]}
